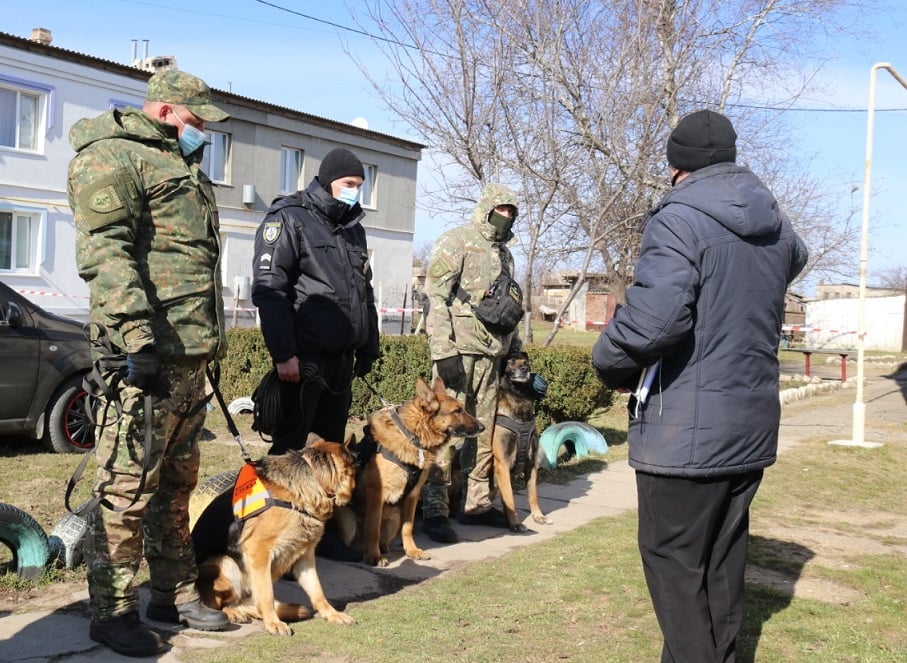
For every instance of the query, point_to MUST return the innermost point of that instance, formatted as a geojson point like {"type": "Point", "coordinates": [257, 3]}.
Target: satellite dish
{"type": "Point", "coordinates": [360, 122]}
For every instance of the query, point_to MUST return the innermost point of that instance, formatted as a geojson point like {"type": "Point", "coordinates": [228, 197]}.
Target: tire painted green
{"type": "Point", "coordinates": [26, 539]}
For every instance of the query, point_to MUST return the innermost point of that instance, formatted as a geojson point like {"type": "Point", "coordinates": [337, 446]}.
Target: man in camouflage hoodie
{"type": "Point", "coordinates": [465, 261]}
{"type": "Point", "coordinates": [148, 245]}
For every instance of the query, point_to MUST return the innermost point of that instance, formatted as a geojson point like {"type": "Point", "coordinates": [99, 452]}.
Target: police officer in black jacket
{"type": "Point", "coordinates": [312, 286]}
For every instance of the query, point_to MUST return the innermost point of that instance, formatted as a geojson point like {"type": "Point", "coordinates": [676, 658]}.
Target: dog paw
{"type": "Point", "coordinates": [237, 616]}
{"type": "Point", "coordinates": [337, 617]}
{"type": "Point", "coordinates": [378, 560]}
{"type": "Point", "coordinates": [518, 527]}
{"type": "Point", "coordinates": [417, 553]}
{"type": "Point", "coordinates": [543, 520]}
{"type": "Point", "coordinates": [278, 628]}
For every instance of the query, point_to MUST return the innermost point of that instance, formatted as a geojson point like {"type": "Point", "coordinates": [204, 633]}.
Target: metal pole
{"type": "Point", "coordinates": [859, 407]}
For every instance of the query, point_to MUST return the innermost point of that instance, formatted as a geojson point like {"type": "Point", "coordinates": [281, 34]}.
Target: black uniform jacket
{"type": "Point", "coordinates": [312, 278]}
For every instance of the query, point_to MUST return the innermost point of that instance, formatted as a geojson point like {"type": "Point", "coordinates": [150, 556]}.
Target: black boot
{"type": "Point", "coordinates": [332, 547]}
{"type": "Point", "coordinates": [490, 518]}
{"type": "Point", "coordinates": [438, 529]}
{"type": "Point", "coordinates": [194, 614]}
{"type": "Point", "coordinates": [126, 635]}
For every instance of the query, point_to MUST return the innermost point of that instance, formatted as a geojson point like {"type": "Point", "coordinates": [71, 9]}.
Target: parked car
{"type": "Point", "coordinates": [43, 358]}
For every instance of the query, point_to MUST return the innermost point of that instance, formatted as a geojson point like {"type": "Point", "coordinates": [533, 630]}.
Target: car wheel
{"type": "Point", "coordinates": [26, 540]}
{"type": "Point", "coordinates": [69, 428]}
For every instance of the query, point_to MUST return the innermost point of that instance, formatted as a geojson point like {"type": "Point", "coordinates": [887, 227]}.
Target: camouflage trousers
{"type": "Point", "coordinates": [158, 523]}
{"type": "Point", "coordinates": [476, 460]}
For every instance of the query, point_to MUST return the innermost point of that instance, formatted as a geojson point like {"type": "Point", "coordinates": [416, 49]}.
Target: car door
{"type": "Point", "coordinates": [20, 348]}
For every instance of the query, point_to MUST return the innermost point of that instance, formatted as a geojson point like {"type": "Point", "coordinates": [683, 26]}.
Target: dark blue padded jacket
{"type": "Point", "coordinates": [716, 258]}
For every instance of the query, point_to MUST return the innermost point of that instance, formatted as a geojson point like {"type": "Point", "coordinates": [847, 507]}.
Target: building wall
{"type": "Point", "coordinates": [833, 323]}
{"type": "Point", "coordinates": [77, 86]}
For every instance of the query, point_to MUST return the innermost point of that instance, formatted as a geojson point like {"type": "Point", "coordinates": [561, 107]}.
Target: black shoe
{"type": "Point", "coordinates": [438, 529]}
{"type": "Point", "coordinates": [331, 547]}
{"type": "Point", "coordinates": [491, 518]}
{"type": "Point", "coordinates": [126, 635]}
{"type": "Point", "coordinates": [194, 614]}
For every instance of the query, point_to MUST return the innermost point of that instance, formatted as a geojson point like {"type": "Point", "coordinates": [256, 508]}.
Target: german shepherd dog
{"type": "Point", "coordinates": [304, 486]}
{"type": "Point", "coordinates": [515, 440]}
{"type": "Point", "coordinates": [390, 476]}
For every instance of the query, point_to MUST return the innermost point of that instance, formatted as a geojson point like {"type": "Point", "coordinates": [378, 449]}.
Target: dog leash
{"type": "Point", "coordinates": [214, 379]}
{"type": "Point", "coordinates": [384, 401]}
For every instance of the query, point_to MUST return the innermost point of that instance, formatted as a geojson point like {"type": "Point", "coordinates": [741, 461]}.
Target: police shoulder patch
{"type": "Point", "coordinates": [105, 200]}
{"type": "Point", "coordinates": [272, 231]}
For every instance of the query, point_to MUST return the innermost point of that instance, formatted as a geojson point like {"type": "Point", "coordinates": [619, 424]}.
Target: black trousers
{"type": "Point", "coordinates": [693, 536]}
{"type": "Point", "coordinates": [320, 404]}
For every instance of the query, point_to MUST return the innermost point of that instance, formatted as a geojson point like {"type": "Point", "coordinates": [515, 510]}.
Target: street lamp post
{"type": "Point", "coordinates": [859, 407]}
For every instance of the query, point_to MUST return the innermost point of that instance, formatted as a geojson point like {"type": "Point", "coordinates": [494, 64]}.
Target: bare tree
{"type": "Point", "coordinates": [571, 102]}
{"type": "Point", "coordinates": [893, 277]}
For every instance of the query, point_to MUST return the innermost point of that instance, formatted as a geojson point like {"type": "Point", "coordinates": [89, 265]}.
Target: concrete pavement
{"type": "Point", "coordinates": [61, 634]}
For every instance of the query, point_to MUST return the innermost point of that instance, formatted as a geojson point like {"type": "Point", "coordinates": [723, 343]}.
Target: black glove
{"type": "Point", "coordinates": [450, 369]}
{"type": "Point", "coordinates": [539, 386]}
{"type": "Point", "coordinates": [363, 366]}
{"type": "Point", "coordinates": [143, 369]}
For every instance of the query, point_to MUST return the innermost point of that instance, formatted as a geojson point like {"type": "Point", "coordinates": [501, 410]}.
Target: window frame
{"type": "Point", "coordinates": [369, 186]}
{"type": "Point", "coordinates": [285, 150]}
{"type": "Point", "coordinates": [36, 220]}
{"type": "Point", "coordinates": [209, 155]}
{"type": "Point", "coordinates": [43, 114]}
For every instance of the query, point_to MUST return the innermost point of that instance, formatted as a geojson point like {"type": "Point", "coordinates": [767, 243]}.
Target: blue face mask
{"type": "Point", "coordinates": [348, 195]}
{"type": "Point", "coordinates": [190, 138]}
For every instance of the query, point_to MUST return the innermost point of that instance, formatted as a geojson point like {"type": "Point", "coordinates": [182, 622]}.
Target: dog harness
{"type": "Point", "coordinates": [413, 472]}
{"type": "Point", "coordinates": [250, 497]}
{"type": "Point", "coordinates": [522, 430]}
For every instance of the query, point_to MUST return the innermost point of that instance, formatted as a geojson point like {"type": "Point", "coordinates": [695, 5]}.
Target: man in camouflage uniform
{"type": "Point", "coordinates": [467, 355]}
{"type": "Point", "coordinates": [148, 245]}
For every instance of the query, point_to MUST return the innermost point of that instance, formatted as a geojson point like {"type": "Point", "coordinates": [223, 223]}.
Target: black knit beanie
{"type": "Point", "coordinates": [701, 139]}
{"type": "Point", "coordinates": [336, 164]}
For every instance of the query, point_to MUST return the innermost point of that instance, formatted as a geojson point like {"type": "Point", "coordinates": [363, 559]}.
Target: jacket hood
{"type": "Point", "coordinates": [730, 194]}
{"type": "Point", "coordinates": [130, 124]}
{"type": "Point", "coordinates": [492, 196]}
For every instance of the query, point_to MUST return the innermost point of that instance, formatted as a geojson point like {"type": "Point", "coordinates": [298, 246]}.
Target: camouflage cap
{"type": "Point", "coordinates": [178, 87]}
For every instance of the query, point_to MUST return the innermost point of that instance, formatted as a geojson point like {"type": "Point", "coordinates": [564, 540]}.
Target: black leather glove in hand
{"type": "Point", "coordinates": [363, 366]}
{"type": "Point", "coordinates": [143, 369]}
{"type": "Point", "coordinates": [539, 386]}
{"type": "Point", "coordinates": [450, 369]}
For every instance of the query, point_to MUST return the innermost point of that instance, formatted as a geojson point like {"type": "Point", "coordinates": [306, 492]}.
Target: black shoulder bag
{"type": "Point", "coordinates": [501, 307]}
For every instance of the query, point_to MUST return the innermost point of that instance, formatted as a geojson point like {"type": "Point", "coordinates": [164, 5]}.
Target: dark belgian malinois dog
{"type": "Point", "coordinates": [515, 440]}
{"type": "Point", "coordinates": [297, 494]}
{"type": "Point", "coordinates": [404, 441]}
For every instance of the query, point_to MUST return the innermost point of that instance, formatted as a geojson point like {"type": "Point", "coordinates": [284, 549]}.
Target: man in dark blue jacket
{"type": "Point", "coordinates": [707, 300]}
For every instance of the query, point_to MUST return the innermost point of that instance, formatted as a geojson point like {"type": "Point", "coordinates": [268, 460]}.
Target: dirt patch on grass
{"type": "Point", "coordinates": [832, 540]}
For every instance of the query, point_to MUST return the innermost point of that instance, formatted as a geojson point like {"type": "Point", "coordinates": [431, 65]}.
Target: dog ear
{"type": "Point", "coordinates": [350, 441]}
{"type": "Point", "coordinates": [313, 437]}
{"type": "Point", "coordinates": [428, 397]}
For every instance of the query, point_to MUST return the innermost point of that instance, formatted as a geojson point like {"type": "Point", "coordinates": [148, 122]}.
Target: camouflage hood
{"type": "Point", "coordinates": [492, 196]}
{"type": "Point", "coordinates": [130, 124]}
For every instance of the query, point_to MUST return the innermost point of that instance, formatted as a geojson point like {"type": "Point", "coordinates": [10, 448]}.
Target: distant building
{"type": "Point", "coordinates": [851, 291]}
{"type": "Point", "coordinates": [588, 311]}
{"type": "Point", "coordinates": [261, 152]}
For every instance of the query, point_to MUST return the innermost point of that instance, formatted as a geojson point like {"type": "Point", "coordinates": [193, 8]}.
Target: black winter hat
{"type": "Point", "coordinates": [701, 139]}
{"type": "Point", "coordinates": [339, 163]}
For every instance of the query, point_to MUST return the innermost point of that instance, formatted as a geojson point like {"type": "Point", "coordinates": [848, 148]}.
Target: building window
{"type": "Point", "coordinates": [18, 241]}
{"type": "Point", "coordinates": [290, 169]}
{"type": "Point", "coordinates": [20, 118]}
{"type": "Point", "coordinates": [216, 161]}
{"type": "Point", "coordinates": [367, 197]}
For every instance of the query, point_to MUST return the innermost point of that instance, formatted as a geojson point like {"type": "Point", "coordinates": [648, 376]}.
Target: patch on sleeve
{"type": "Point", "coordinates": [106, 200]}
{"type": "Point", "coordinates": [264, 262]}
{"type": "Point", "coordinates": [440, 266]}
{"type": "Point", "coordinates": [272, 231]}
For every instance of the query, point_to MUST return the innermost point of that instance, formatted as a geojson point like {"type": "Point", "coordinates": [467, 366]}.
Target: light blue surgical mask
{"type": "Point", "coordinates": [190, 138]}
{"type": "Point", "coordinates": [348, 195]}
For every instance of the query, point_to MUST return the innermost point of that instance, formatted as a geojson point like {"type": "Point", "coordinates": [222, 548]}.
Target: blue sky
{"type": "Point", "coordinates": [261, 52]}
